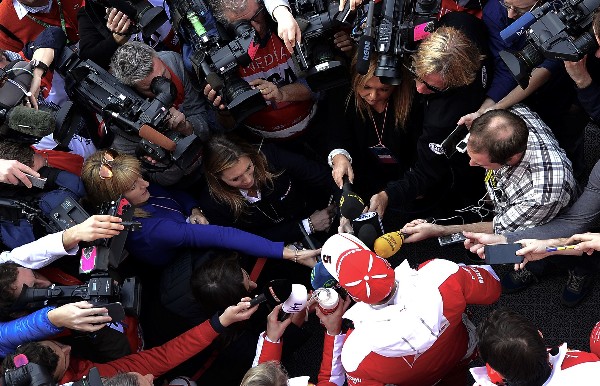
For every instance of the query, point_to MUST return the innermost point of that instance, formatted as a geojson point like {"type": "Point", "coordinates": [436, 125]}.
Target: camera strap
{"type": "Point", "coordinates": [63, 24]}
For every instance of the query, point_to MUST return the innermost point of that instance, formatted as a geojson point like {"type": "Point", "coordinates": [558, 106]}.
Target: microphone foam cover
{"type": "Point", "coordinates": [277, 291]}
{"type": "Point", "coordinates": [387, 245]}
{"type": "Point", "coordinates": [32, 122]}
{"type": "Point", "coordinates": [297, 299]}
{"type": "Point", "coordinates": [367, 234]}
{"type": "Point", "coordinates": [351, 205]}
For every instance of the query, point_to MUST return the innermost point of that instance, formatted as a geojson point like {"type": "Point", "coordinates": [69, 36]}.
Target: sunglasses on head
{"type": "Point", "coordinates": [106, 171]}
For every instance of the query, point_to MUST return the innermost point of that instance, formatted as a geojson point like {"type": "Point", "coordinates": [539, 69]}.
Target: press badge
{"type": "Point", "coordinates": [383, 154]}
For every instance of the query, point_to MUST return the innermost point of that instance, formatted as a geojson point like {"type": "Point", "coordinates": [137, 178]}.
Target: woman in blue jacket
{"type": "Point", "coordinates": [170, 220]}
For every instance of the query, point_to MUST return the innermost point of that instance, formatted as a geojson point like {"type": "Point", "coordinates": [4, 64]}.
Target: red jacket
{"type": "Point", "coordinates": [155, 361]}
{"type": "Point", "coordinates": [26, 30]}
{"type": "Point", "coordinates": [421, 336]}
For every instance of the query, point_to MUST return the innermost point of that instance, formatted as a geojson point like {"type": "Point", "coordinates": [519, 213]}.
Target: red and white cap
{"type": "Point", "coordinates": [366, 277]}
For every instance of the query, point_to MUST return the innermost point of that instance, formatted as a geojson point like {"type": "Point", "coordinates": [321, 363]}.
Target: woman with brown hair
{"type": "Point", "coordinates": [171, 220]}
{"type": "Point", "coordinates": [264, 190]}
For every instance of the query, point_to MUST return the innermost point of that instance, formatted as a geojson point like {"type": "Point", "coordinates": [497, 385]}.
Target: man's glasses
{"type": "Point", "coordinates": [412, 71]}
{"type": "Point", "coordinates": [516, 10]}
{"type": "Point", "coordinates": [106, 171]}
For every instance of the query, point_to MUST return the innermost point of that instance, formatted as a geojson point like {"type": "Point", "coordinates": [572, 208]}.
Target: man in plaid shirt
{"type": "Point", "coordinates": [529, 178]}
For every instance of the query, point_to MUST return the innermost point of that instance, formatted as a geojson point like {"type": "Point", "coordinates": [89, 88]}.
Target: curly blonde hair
{"type": "Point", "coordinates": [450, 53]}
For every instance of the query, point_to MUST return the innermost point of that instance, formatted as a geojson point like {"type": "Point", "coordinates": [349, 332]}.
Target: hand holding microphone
{"type": "Point", "coordinates": [387, 245]}
{"type": "Point", "coordinates": [275, 327]}
{"type": "Point", "coordinates": [351, 204]}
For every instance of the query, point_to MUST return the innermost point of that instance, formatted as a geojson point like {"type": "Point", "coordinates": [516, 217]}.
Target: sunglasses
{"type": "Point", "coordinates": [412, 71]}
{"type": "Point", "coordinates": [516, 10]}
{"type": "Point", "coordinates": [255, 16]}
{"type": "Point", "coordinates": [105, 171]}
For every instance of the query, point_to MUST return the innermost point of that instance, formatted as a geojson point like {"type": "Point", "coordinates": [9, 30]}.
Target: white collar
{"type": "Point", "coordinates": [251, 199]}
{"type": "Point", "coordinates": [23, 10]}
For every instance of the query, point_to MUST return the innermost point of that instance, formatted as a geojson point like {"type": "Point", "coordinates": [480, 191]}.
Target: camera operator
{"type": "Point", "coordinates": [16, 269]}
{"type": "Point", "coordinates": [291, 104]}
{"type": "Point", "coordinates": [449, 70]}
{"type": "Point", "coordinates": [588, 91]}
{"type": "Point", "coordinates": [57, 359]}
{"type": "Point", "coordinates": [548, 92]}
{"type": "Point", "coordinates": [136, 64]}
{"type": "Point", "coordinates": [103, 30]}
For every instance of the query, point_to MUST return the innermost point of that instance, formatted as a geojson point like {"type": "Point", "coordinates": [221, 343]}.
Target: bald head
{"type": "Point", "coordinates": [499, 133]}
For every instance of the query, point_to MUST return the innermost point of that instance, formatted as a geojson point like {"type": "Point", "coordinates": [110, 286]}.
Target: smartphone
{"type": "Point", "coordinates": [502, 254]}
{"type": "Point", "coordinates": [454, 238]}
{"type": "Point", "coordinates": [37, 182]}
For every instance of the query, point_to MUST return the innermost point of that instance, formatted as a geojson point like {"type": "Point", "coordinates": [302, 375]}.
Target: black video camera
{"type": "Point", "coordinates": [393, 33]}
{"type": "Point", "coordinates": [316, 54]}
{"type": "Point", "coordinates": [146, 18]}
{"type": "Point", "coordinates": [216, 57]}
{"type": "Point", "coordinates": [553, 32]}
{"type": "Point", "coordinates": [97, 260]}
{"type": "Point", "coordinates": [124, 110]}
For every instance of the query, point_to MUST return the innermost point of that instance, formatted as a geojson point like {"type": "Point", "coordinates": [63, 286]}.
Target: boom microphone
{"type": "Point", "coordinates": [388, 244]}
{"type": "Point", "coordinates": [276, 292]}
{"type": "Point", "coordinates": [351, 205]}
{"type": "Point", "coordinates": [31, 122]}
{"type": "Point", "coordinates": [294, 303]}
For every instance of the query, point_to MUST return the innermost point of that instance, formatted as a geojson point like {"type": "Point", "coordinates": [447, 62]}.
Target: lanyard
{"type": "Point", "coordinates": [380, 136]}
{"type": "Point", "coordinates": [63, 25]}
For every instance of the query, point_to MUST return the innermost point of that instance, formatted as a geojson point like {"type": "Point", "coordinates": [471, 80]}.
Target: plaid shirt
{"type": "Point", "coordinates": [532, 192]}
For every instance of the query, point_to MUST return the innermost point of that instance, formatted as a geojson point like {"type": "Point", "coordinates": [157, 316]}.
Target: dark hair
{"type": "Point", "coordinates": [17, 151]}
{"type": "Point", "coordinates": [512, 346]}
{"type": "Point", "coordinates": [36, 353]}
{"type": "Point", "coordinates": [221, 153]}
{"type": "Point", "coordinates": [9, 272]}
{"type": "Point", "coordinates": [122, 379]}
{"type": "Point", "coordinates": [500, 133]}
{"type": "Point", "coordinates": [218, 283]}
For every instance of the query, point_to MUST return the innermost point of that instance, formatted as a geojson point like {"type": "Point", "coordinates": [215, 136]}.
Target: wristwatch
{"type": "Point", "coordinates": [39, 64]}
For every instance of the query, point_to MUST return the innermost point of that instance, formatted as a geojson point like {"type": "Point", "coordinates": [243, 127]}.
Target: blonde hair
{"type": "Point", "coordinates": [266, 374]}
{"type": "Point", "coordinates": [125, 169]}
{"type": "Point", "coordinates": [221, 153]}
{"type": "Point", "coordinates": [400, 99]}
{"type": "Point", "coordinates": [450, 53]}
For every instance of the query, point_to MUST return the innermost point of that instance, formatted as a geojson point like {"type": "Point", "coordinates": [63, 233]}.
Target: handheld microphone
{"type": "Point", "coordinates": [367, 234]}
{"type": "Point", "coordinates": [274, 293]}
{"type": "Point", "coordinates": [321, 278]}
{"type": "Point", "coordinates": [517, 28]}
{"type": "Point", "coordinates": [366, 43]}
{"type": "Point", "coordinates": [387, 245]}
{"type": "Point", "coordinates": [371, 221]}
{"type": "Point", "coordinates": [351, 205]}
{"type": "Point", "coordinates": [294, 303]}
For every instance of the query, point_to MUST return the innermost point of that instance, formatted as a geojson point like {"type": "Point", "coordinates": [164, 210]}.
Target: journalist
{"type": "Point", "coordinates": [583, 73]}
{"type": "Point", "coordinates": [136, 64]}
{"type": "Point", "coordinates": [450, 70]}
{"type": "Point", "coordinates": [290, 103]}
{"type": "Point", "coordinates": [171, 220]}
{"type": "Point", "coordinates": [17, 268]}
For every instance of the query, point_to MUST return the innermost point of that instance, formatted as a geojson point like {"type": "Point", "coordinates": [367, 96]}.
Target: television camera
{"type": "Point", "coordinates": [392, 33]}
{"type": "Point", "coordinates": [315, 54]}
{"type": "Point", "coordinates": [215, 57]}
{"type": "Point", "coordinates": [555, 30]}
{"type": "Point", "coordinates": [146, 18]}
{"type": "Point", "coordinates": [98, 260]}
{"type": "Point", "coordinates": [27, 373]}
{"type": "Point", "coordinates": [123, 110]}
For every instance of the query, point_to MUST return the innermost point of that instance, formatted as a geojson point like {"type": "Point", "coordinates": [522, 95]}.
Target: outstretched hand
{"type": "Point", "coordinates": [238, 312]}
{"type": "Point", "coordinates": [81, 316]}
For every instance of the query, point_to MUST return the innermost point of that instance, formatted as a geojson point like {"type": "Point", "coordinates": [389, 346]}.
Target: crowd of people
{"type": "Point", "coordinates": [216, 239]}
